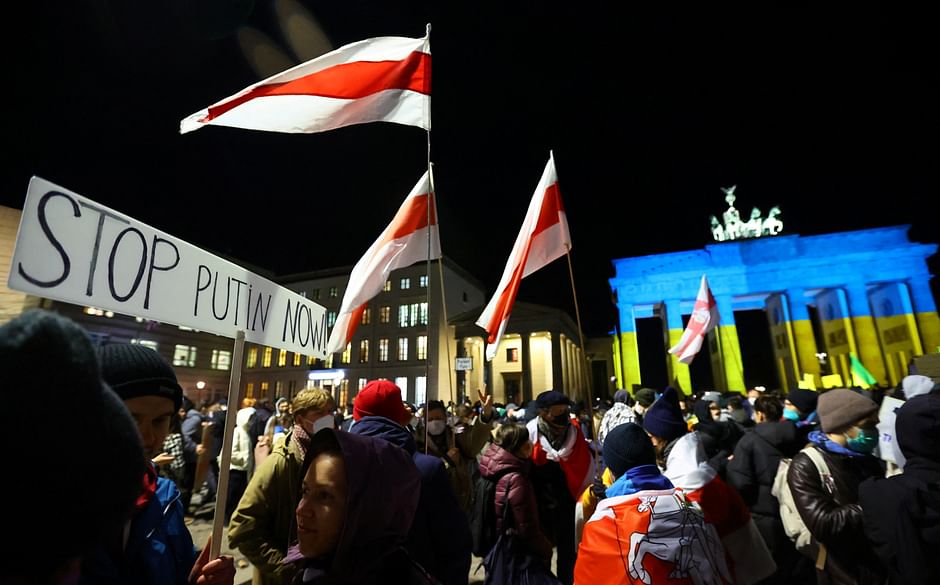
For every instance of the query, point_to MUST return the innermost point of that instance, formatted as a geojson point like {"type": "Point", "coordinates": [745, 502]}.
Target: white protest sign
{"type": "Point", "coordinates": [887, 438]}
{"type": "Point", "coordinates": [72, 249]}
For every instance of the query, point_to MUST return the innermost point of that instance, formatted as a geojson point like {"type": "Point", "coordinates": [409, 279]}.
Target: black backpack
{"type": "Point", "coordinates": [483, 513]}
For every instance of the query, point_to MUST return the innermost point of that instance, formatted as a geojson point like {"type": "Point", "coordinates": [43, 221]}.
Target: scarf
{"type": "Point", "coordinates": [554, 435]}
{"type": "Point", "coordinates": [301, 440]}
{"type": "Point", "coordinates": [148, 489]}
{"type": "Point", "coordinates": [820, 438]}
{"type": "Point", "coordinates": [637, 479]}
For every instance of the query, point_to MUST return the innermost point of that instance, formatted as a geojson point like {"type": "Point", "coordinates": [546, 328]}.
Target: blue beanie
{"type": "Point", "coordinates": [664, 417]}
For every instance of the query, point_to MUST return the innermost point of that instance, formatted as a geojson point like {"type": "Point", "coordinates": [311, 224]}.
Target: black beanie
{"type": "Point", "coordinates": [805, 400]}
{"type": "Point", "coordinates": [72, 479]}
{"type": "Point", "coordinates": [135, 370]}
{"type": "Point", "coordinates": [627, 446]}
{"type": "Point", "coordinates": [917, 427]}
{"type": "Point", "coordinates": [664, 417]}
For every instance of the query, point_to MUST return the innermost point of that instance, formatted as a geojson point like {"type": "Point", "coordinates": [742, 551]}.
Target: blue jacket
{"type": "Point", "coordinates": [159, 547]}
{"type": "Point", "coordinates": [439, 539]}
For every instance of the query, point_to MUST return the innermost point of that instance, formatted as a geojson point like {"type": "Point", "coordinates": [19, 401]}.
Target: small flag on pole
{"type": "Point", "coordinates": [705, 317]}
{"type": "Point", "coordinates": [404, 242]}
{"type": "Point", "coordinates": [543, 238]}
{"type": "Point", "coordinates": [860, 376]}
{"type": "Point", "coordinates": [384, 79]}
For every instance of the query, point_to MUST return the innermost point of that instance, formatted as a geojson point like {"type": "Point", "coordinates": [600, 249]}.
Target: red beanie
{"type": "Point", "coordinates": [380, 398]}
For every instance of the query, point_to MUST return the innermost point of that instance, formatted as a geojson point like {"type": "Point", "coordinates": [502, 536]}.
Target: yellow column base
{"type": "Point", "coordinates": [678, 370]}
{"type": "Point", "coordinates": [731, 358]}
{"type": "Point", "coordinates": [630, 360]}
{"type": "Point", "coordinates": [806, 350]}
{"type": "Point", "coordinates": [869, 347]}
{"type": "Point", "coordinates": [929, 326]}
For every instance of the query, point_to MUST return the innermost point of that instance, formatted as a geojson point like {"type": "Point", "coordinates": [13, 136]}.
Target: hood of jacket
{"type": "Point", "coordinates": [385, 428]}
{"type": "Point", "coordinates": [243, 418]}
{"type": "Point", "coordinates": [498, 461]}
{"type": "Point", "coordinates": [781, 434]}
{"type": "Point", "coordinates": [687, 466]}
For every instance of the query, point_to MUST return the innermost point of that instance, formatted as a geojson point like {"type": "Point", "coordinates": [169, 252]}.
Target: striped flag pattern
{"type": "Point", "coordinates": [384, 79]}
{"type": "Point", "coordinates": [705, 317]}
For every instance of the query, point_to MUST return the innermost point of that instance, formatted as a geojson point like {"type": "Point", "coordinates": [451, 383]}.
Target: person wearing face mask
{"type": "Point", "coordinates": [799, 407]}
{"type": "Point", "coordinates": [459, 447]}
{"type": "Point", "coordinates": [830, 507]}
{"type": "Point", "coordinates": [262, 525]}
{"type": "Point", "coordinates": [562, 469]}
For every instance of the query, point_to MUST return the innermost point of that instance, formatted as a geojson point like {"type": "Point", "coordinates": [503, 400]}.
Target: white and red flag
{"type": "Point", "coordinates": [704, 318]}
{"type": "Point", "coordinates": [404, 242]}
{"type": "Point", "coordinates": [544, 237]}
{"type": "Point", "coordinates": [384, 79]}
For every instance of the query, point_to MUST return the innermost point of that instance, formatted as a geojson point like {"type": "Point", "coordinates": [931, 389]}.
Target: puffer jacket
{"type": "Point", "coordinates": [496, 461]}
{"type": "Point", "coordinates": [832, 512]}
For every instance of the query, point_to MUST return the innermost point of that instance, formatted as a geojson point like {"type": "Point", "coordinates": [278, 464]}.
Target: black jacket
{"type": "Point", "coordinates": [754, 466]}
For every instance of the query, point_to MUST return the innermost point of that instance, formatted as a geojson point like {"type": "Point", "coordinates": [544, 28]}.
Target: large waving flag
{"type": "Point", "coordinates": [705, 317]}
{"type": "Point", "coordinates": [404, 242]}
{"type": "Point", "coordinates": [544, 237]}
{"type": "Point", "coordinates": [385, 79]}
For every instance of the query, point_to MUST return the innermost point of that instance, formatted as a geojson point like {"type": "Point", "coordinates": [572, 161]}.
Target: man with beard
{"type": "Point", "coordinates": [562, 469]}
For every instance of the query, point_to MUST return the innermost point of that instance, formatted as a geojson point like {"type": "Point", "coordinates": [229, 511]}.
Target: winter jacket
{"type": "Point", "coordinates": [242, 448]}
{"type": "Point", "coordinates": [832, 512]}
{"type": "Point", "coordinates": [469, 442]}
{"type": "Point", "coordinates": [263, 525]}
{"type": "Point", "coordinates": [521, 498]}
{"type": "Point", "coordinates": [439, 538]}
{"type": "Point", "coordinates": [159, 548]}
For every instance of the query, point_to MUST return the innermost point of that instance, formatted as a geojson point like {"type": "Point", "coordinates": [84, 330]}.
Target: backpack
{"type": "Point", "coordinates": [483, 513]}
{"type": "Point", "coordinates": [793, 524]}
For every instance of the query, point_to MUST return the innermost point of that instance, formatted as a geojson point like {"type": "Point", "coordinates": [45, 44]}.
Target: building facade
{"type": "Point", "coordinates": [864, 293]}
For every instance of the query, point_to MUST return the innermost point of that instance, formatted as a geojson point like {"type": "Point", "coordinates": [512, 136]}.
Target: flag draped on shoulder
{"type": "Point", "coordinates": [544, 237]}
{"type": "Point", "coordinates": [404, 242]}
{"type": "Point", "coordinates": [705, 317]}
{"type": "Point", "coordinates": [384, 79]}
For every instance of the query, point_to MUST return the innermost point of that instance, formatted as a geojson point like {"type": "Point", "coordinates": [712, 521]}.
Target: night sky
{"type": "Point", "coordinates": [828, 111]}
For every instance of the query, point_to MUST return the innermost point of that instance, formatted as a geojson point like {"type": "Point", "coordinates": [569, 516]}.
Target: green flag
{"type": "Point", "coordinates": [860, 376]}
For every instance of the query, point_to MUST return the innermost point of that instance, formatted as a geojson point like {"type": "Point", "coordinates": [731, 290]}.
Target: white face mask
{"type": "Point", "coordinates": [436, 427]}
{"type": "Point", "coordinates": [324, 422]}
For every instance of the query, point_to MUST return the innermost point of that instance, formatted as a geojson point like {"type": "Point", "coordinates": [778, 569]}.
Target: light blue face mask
{"type": "Point", "coordinates": [864, 442]}
{"type": "Point", "coordinates": [791, 415]}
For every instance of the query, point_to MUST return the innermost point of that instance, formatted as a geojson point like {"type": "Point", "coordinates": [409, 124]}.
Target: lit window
{"type": "Point", "coordinates": [364, 351]}
{"type": "Point", "coordinates": [363, 382]}
{"type": "Point", "coordinates": [512, 354]}
{"type": "Point", "coordinates": [334, 292]}
{"type": "Point", "coordinates": [331, 318]}
{"type": "Point", "coordinates": [221, 359]}
{"type": "Point", "coordinates": [402, 383]}
{"type": "Point", "coordinates": [264, 390]}
{"type": "Point", "coordinates": [421, 389]}
{"type": "Point", "coordinates": [347, 353]}
{"type": "Point", "coordinates": [402, 315]}
{"type": "Point", "coordinates": [297, 359]}
{"type": "Point", "coordinates": [266, 359]}
{"type": "Point", "coordinates": [310, 360]}
{"type": "Point", "coordinates": [388, 286]}
{"type": "Point", "coordinates": [281, 358]}
{"type": "Point", "coordinates": [328, 364]}
{"type": "Point", "coordinates": [252, 358]}
{"type": "Point", "coordinates": [402, 349]}
{"type": "Point", "coordinates": [250, 390]}
{"type": "Point", "coordinates": [184, 355]}
{"type": "Point", "coordinates": [366, 316]}
{"type": "Point", "coordinates": [423, 313]}
{"type": "Point", "coordinates": [383, 350]}
{"type": "Point", "coordinates": [145, 343]}
{"type": "Point", "coordinates": [278, 386]}
{"type": "Point", "coordinates": [385, 314]}
{"type": "Point", "coordinates": [405, 284]}
{"type": "Point", "coordinates": [422, 350]}
{"type": "Point", "coordinates": [423, 281]}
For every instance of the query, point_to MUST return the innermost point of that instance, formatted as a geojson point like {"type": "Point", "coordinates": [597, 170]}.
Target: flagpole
{"type": "Point", "coordinates": [432, 200]}
{"type": "Point", "coordinates": [590, 397]}
{"type": "Point", "coordinates": [450, 370]}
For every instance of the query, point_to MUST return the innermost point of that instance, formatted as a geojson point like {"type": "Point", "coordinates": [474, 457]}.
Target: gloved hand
{"type": "Point", "coordinates": [598, 489]}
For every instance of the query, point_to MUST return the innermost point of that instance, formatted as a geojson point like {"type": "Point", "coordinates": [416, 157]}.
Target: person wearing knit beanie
{"type": "Point", "coordinates": [841, 408]}
{"type": "Point", "coordinates": [801, 403]}
{"type": "Point", "coordinates": [627, 446]}
{"type": "Point", "coordinates": [69, 485]}
{"type": "Point", "coordinates": [664, 418]}
{"type": "Point", "coordinates": [159, 546]}
{"type": "Point", "coordinates": [381, 398]}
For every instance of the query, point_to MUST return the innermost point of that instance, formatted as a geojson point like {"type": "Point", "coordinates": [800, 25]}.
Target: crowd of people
{"type": "Point", "coordinates": [653, 486]}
